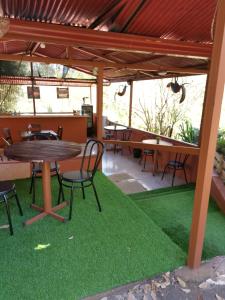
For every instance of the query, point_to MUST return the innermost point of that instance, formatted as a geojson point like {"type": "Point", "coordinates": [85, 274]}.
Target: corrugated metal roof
{"type": "Point", "coordinates": [177, 20]}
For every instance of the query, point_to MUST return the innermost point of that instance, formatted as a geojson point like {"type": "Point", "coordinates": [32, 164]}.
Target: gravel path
{"type": "Point", "coordinates": [204, 283]}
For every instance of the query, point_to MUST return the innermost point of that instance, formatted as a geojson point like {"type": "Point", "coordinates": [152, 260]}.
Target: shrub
{"type": "Point", "coordinates": [188, 133]}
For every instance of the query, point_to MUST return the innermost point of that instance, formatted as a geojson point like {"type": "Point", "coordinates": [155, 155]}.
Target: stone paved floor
{"type": "Point", "coordinates": [204, 283]}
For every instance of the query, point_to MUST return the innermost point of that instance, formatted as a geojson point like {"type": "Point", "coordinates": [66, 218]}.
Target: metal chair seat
{"type": "Point", "coordinates": [77, 176]}
{"type": "Point", "coordinates": [148, 152]}
{"type": "Point", "coordinates": [6, 187]}
{"type": "Point", "coordinates": [175, 164]}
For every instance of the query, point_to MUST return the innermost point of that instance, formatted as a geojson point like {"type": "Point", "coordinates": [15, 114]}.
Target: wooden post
{"type": "Point", "coordinates": [99, 103]}
{"type": "Point", "coordinates": [130, 104]}
{"type": "Point", "coordinates": [32, 82]}
{"type": "Point", "coordinates": [214, 95]}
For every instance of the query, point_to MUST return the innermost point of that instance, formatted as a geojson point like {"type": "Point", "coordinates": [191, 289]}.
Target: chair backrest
{"type": "Point", "coordinates": [92, 156]}
{"type": "Point", "coordinates": [181, 158]}
{"type": "Point", "coordinates": [60, 132]}
{"type": "Point", "coordinates": [7, 136]}
{"type": "Point", "coordinates": [127, 134]}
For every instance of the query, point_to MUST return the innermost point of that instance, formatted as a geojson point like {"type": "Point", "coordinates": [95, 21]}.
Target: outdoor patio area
{"type": "Point", "coordinates": [112, 150]}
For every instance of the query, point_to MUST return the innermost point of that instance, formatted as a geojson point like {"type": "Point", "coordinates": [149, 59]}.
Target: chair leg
{"type": "Point", "coordinates": [96, 196]}
{"type": "Point", "coordinates": [8, 215]}
{"type": "Point", "coordinates": [71, 203]}
{"type": "Point", "coordinates": [61, 192]}
{"type": "Point", "coordinates": [82, 187]}
{"type": "Point", "coordinates": [164, 172]}
{"type": "Point", "coordinates": [31, 183]}
{"type": "Point", "coordinates": [145, 157]}
{"type": "Point", "coordinates": [33, 189]}
{"type": "Point", "coordinates": [18, 202]}
{"type": "Point", "coordinates": [174, 173]}
{"type": "Point", "coordinates": [185, 175]}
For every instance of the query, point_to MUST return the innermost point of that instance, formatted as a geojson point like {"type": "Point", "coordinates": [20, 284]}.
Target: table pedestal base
{"type": "Point", "coordinates": [47, 213]}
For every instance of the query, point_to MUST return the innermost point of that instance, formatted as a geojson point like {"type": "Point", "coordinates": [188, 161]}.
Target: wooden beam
{"type": "Point", "coordinates": [140, 145]}
{"type": "Point", "coordinates": [99, 103]}
{"type": "Point", "coordinates": [92, 53]}
{"type": "Point", "coordinates": [80, 37]}
{"type": "Point", "coordinates": [130, 103]}
{"type": "Point", "coordinates": [214, 96]}
{"type": "Point", "coordinates": [75, 62]}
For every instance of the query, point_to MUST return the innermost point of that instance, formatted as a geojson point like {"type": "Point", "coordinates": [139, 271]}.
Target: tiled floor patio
{"type": "Point", "coordinates": [117, 164]}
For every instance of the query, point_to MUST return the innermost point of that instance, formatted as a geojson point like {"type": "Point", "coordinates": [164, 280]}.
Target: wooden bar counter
{"type": "Point", "coordinates": [74, 126]}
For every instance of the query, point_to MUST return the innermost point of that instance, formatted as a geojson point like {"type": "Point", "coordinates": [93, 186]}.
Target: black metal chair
{"type": "Point", "coordinates": [7, 191]}
{"type": "Point", "coordinates": [60, 132]}
{"type": "Point", "coordinates": [126, 136]}
{"type": "Point", "coordinates": [178, 164]}
{"type": "Point", "coordinates": [147, 153]}
{"type": "Point", "coordinates": [85, 176]}
{"type": "Point", "coordinates": [37, 166]}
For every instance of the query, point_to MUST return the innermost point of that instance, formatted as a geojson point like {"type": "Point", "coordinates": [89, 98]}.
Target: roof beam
{"type": "Point", "coordinates": [74, 62]}
{"type": "Point", "coordinates": [80, 37]}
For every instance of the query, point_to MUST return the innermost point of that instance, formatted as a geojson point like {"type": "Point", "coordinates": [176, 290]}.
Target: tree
{"type": "Point", "coordinates": [9, 93]}
{"type": "Point", "coordinates": [163, 114]}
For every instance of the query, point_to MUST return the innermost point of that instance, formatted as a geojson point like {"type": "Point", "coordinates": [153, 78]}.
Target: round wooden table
{"type": "Point", "coordinates": [155, 158]}
{"type": "Point", "coordinates": [45, 151]}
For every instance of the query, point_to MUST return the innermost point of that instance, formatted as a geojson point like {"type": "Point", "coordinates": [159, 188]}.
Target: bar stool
{"type": "Point", "coordinates": [7, 191]}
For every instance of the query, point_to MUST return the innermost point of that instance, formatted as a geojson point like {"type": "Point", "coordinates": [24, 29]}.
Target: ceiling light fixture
{"type": "Point", "coordinates": [162, 73]}
{"type": "Point", "coordinates": [42, 45]}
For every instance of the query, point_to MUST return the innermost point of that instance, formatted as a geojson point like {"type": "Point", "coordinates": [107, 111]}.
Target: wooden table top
{"type": "Point", "coordinates": [115, 128]}
{"type": "Point", "coordinates": [46, 150]}
{"type": "Point", "coordinates": [154, 142]}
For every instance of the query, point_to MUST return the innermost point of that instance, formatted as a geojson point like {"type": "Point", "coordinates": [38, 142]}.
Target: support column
{"type": "Point", "coordinates": [32, 82]}
{"type": "Point", "coordinates": [130, 104]}
{"type": "Point", "coordinates": [210, 124]}
{"type": "Point", "coordinates": [99, 103]}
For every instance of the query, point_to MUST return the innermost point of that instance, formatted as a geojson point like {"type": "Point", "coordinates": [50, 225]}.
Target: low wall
{"type": "Point", "coordinates": [74, 127]}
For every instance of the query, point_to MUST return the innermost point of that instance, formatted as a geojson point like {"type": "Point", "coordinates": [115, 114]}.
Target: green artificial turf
{"type": "Point", "coordinates": [171, 209]}
{"type": "Point", "coordinates": [90, 254]}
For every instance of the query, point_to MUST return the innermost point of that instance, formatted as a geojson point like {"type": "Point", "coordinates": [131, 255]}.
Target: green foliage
{"type": "Point", "coordinates": [9, 93]}
{"type": "Point", "coordinates": [220, 146]}
{"type": "Point", "coordinates": [188, 133]}
{"type": "Point", "coordinates": [13, 68]}
{"type": "Point", "coordinates": [160, 116]}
